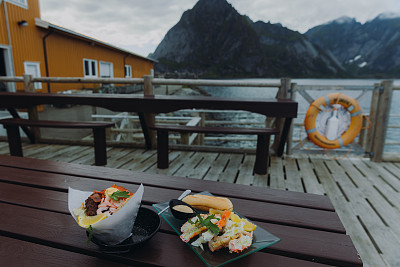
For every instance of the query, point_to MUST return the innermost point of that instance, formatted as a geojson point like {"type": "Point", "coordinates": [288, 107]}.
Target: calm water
{"type": "Point", "coordinates": [364, 101]}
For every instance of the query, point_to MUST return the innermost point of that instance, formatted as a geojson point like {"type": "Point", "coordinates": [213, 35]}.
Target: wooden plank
{"type": "Point", "coordinates": [382, 225]}
{"type": "Point", "coordinates": [313, 243]}
{"type": "Point", "coordinates": [382, 174]}
{"type": "Point", "coordinates": [301, 217]}
{"type": "Point", "coordinates": [277, 176]}
{"type": "Point", "coordinates": [260, 180]}
{"type": "Point", "coordinates": [140, 157]}
{"type": "Point", "coordinates": [217, 167]}
{"type": "Point", "coordinates": [231, 169]}
{"type": "Point", "coordinates": [311, 183]}
{"type": "Point", "coordinates": [125, 158]}
{"type": "Point", "coordinates": [256, 193]}
{"type": "Point", "coordinates": [189, 164]}
{"type": "Point", "coordinates": [293, 179]}
{"type": "Point", "coordinates": [383, 188]}
{"type": "Point", "coordinates": [353, 227]}
{"type": "Point", "coordinates": [21, 253]}
{"type": "Point", "coordinates": [177, 163]}
{"type": "Point", "coordinates": [246, 176]}
{"type": "Point", "coordinates": [170, 250]}
{"type": "Point", "coordinates": [32, 150]}
{"type": "Point", "coordinates": [202, 168]}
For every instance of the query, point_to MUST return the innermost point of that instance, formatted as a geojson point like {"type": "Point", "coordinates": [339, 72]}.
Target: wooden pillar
{"type": "Point", "coordinates": [372, 117]}
{"type": "Point", "coordinates": [382, 120]}
{"type": "Point", "coordinates": [32, 111]}
{"type": "Point", "coordinates": [149, 117]}
{"type": "Point", "coordinates": [283, 93]}
{"type": "Point", "coordinates": [292, 95]}
{"type": "Point", "coordinates": [202, 123]}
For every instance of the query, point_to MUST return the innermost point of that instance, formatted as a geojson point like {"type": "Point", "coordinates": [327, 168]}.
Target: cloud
{"type": "Point", "coordinates": [140, 25]}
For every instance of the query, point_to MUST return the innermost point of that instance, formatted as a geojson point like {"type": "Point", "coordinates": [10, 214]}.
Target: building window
{"type": "Point", "coordinates": [128, 71]}
{"type": "Point", "coordinates": [21, 3]}
{"type": "Point", "coordinates": [90, 68]}
{"type": "Point", "coordinates": [106, 69]}
{"type": "Point", "coordinates": [33, 68]}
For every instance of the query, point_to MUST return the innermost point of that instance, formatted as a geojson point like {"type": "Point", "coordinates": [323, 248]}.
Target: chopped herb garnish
{"type": "Point", "coordinates": [90, 230]}
{"type": "Point", "coordinates": [119, 194]}
{"type": "Point", "coordinates": [207, 223]}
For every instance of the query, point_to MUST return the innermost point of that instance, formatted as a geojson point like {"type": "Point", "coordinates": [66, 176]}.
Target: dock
{"type": "Point", "coordinates": [365, 193]}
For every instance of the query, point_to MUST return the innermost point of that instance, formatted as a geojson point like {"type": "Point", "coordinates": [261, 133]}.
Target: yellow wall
{"type": "Point", "coordinates": [65, 53]}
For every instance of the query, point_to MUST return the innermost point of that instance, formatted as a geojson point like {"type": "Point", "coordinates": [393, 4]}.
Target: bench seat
{"type": "Point", "coordinates": [262, 150]}
{"type": "Point", "coordinates": [99, 134]}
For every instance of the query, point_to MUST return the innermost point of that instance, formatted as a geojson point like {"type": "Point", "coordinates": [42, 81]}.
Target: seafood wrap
{"type": "Point", "coordinates": [108, 214]}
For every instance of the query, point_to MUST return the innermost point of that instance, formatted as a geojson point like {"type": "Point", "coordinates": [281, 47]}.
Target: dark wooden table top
{"type": "Point", "coordinates": [37, 229]}
{"type": "Point", "coordinates": [284, 108]}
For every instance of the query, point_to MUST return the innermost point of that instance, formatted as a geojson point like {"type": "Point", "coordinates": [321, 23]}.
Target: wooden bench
{"type": "Point", "coordinates": [262, 150]}
{"type": "Point", "coordinates": [99, 134]}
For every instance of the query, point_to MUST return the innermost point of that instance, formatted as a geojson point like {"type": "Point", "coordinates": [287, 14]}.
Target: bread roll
{"type": "Point", "coordinates": [204, 202]}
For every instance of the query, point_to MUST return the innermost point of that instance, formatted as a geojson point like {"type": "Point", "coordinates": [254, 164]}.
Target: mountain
{"type": "Point", "coordinates": [372, 48]}
{"type": "Point", "coordinates": [213, 40]}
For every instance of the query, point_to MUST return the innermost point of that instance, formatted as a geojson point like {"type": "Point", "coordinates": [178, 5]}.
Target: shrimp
{"type": "Point", "coordinates": [241, 243]}
{"type": "Point", "coordinates": [224, 218]}
{"type": "Point", "coordinates": [190, 229]}
{"type": "Point", "coordinates": [108, 205]}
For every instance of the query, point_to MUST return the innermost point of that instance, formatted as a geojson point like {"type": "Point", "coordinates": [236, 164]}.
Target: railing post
{"type": "Point", "coordinates": [148, 85]}
{"type": "Point", "coordinates": [283, 93]}
{"type": "Point", "coordinates": [292, 95]}
{"type": "Point", "coordinates": [202, 123]}
{"type": "Point", "coordinates": [382, 120]}
{"type": "Point", "coordinates": [372, 117]}
{"type": "Point", "coordinates": [149, 117]}
{"type": "Point", "coordinates": [32, 111]}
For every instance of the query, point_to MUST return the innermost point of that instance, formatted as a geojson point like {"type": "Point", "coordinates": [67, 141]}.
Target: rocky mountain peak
{"type": "Point", "coordinates": [213, 40]}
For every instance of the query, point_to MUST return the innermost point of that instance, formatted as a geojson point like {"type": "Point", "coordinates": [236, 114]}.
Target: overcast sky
{"type": "Point", "coordinates": [140, 25]}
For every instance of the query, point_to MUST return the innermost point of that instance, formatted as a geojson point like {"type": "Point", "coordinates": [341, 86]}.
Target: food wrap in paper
{"type": "Point", "coordinates": [115, 228]}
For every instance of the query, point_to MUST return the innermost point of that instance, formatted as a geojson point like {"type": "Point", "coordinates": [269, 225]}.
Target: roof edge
{"type": "Point", "coordinates": [47, 25]}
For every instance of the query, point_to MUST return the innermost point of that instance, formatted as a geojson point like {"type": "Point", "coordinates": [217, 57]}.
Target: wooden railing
{"type": "Point", "coordinates": [372, 140]}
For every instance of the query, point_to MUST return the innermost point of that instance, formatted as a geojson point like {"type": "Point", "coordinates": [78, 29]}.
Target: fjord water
{"type": "Point", "coordinates": [259, 92]}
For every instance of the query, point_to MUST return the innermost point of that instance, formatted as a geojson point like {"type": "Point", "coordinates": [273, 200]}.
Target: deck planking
{"type": "Point", "coordinates": [366, 195]}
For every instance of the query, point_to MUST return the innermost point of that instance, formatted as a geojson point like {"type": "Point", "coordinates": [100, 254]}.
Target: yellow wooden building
{"type": "Point", "coordinates": [29, 45]}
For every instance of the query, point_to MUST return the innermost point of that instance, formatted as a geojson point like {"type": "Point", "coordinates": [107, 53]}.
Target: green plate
{"type": "Point", "coordinates": [261, 240]}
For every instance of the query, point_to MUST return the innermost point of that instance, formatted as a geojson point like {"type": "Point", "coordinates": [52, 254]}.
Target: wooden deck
{"type": "Point", "coordinates": [365, 194]}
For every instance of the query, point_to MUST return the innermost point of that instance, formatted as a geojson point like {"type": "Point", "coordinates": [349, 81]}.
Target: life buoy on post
{"type": "Point", "coordinates": [323, 111]}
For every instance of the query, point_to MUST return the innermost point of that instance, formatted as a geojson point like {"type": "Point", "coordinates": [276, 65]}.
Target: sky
{"type": "Point", "coordinates": [140, 25]}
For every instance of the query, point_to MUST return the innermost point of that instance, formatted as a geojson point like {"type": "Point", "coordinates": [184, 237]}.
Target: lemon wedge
{"type": "Point", "coordinates": [248, 226]}
{"type": "Point", "coordinates": [235, 218]}
{"type": "Point", "coordinates": [86, 221]}
{"type": "Point", "coordinates": [215, 211]}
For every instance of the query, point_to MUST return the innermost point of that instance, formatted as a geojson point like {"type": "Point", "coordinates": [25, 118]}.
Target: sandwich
{"type": "Point", "coordinates": [205, 202]}
{"type": "Point", "coordinates": [102, 204]}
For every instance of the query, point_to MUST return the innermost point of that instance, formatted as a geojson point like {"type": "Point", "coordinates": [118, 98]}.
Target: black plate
{"type": "Point", "coordinates": [146, 225]}
{"type": "Point", "coordinates": [178, 214]}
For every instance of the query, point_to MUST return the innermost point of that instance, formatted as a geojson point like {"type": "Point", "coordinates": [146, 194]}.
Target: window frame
{"type": "Point", "coordinates": [128, 67]}
{"type": "Point", "coordinates": [90, 65]}
{"type": "Point", "coordinates": [111, 70]}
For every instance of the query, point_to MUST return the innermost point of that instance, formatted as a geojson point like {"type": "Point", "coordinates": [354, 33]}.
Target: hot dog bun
{"type": "Point", "coordinates": [204, 202]}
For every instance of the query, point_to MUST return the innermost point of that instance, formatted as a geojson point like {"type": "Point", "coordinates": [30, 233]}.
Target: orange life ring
{"type": "Point", "coordinates": [324, 104]}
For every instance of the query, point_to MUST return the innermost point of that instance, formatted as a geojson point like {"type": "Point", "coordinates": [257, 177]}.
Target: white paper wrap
{"type": "Point", "coordinates": [115, 228]}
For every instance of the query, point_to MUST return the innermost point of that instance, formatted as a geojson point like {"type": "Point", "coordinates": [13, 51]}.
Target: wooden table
{"type": "Point", "coordinates": [36, 228]}
{"type": "Point", "coordinates": [278, 108]}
